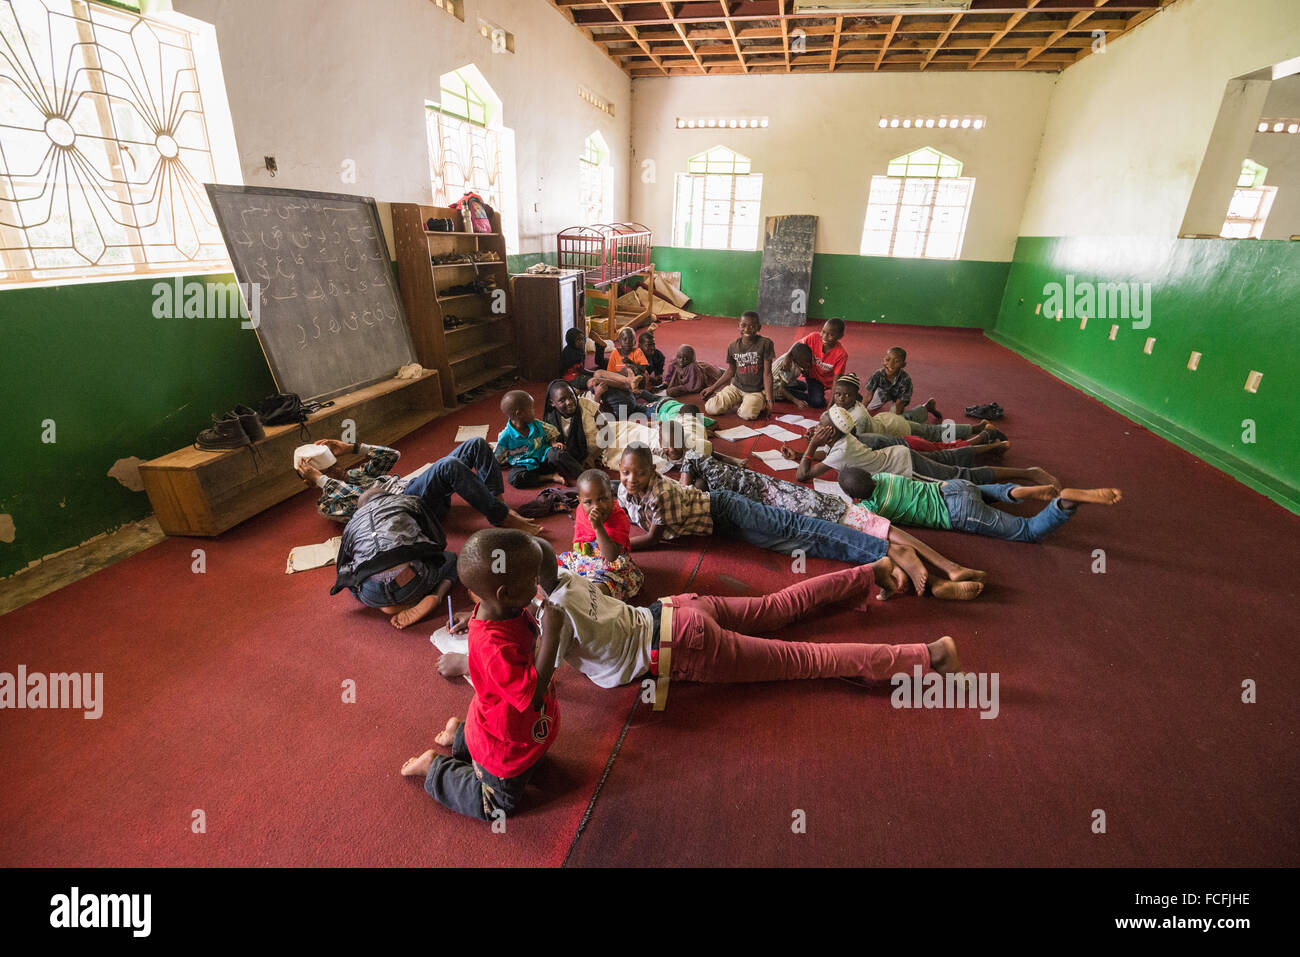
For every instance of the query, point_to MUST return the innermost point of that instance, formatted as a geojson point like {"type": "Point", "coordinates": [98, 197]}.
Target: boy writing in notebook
{"type": "Point", "coordinates": [514, 716]}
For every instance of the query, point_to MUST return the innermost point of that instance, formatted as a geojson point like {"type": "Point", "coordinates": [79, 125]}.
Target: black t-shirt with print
{"type": "Point", "coordinates": [749, 363]}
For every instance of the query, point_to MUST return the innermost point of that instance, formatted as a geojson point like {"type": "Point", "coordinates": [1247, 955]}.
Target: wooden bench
{"type": "Point", "coordinates": [204, 493]}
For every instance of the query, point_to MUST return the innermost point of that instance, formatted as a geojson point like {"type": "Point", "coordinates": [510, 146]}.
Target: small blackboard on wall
{"type": "Point", "coordinates": [328, 315]}
{"type": "Point", "coordinates": [785, 276]}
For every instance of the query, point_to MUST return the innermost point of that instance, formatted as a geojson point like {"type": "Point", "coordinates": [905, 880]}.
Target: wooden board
{"type": "Point", "coordinates": [328, 315]}
{"type": "Point", "coordinates": [786, 273]}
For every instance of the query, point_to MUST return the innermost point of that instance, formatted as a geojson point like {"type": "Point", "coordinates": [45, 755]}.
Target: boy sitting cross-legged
{"type": "Point", "coordinates": [530, 448]}
{"type": "Point", "coordinates": [514, 716]}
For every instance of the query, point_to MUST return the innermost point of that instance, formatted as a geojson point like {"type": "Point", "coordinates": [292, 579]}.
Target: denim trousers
{"type": "Point", "coordinates": [780, 530]}
{"type": "Point", "coordinates": [472, 473]}
{"type": "Point", "coordinates": [460, 783]}
{"type": "Point", "coordinates": [969, 512]}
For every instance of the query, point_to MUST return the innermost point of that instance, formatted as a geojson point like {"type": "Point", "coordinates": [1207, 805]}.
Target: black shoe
{"type": "Point", "coordinates": [251, 423]}
{"type": "Point", "coordinates": [226, 433]}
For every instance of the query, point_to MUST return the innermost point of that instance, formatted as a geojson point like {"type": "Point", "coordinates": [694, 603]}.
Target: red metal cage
{"type": "Point", "coordinates": [606, 253]}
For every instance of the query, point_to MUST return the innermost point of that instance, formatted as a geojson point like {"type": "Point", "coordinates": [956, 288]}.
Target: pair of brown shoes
{"type": "Point", "coordinates": [233, 430]}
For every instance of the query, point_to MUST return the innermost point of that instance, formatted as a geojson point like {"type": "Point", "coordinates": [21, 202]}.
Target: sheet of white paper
{"type": "Point", "coordinates": [808, 423]}
{"type": "Point", "coordinates": [778, 433]}
{"type": "Point", "coordinates": [447, 643]}
{"type": "Point", "coordinates": [467, 432]}
{"type": "Point", "coordinates": [780, 464]}
{"type": "Point", "coordinates": [420, 471]}
{"type": "Point", "coordinates": [736, 433]}
{"type": "Point", "coordinates": [792, 419]}
{"type": "Point", "coordinates": [830, 488]}
{"type": "Point", "coordinates": [305, 557]}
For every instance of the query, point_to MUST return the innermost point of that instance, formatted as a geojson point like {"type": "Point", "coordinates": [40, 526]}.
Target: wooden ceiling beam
{"type": "Point", "coordinates": [888, 37]}
{"type": "Point", "coordinates": [731, 28]}
{"type": "Point", "coordinates": [681, 32]}
{"type": "Point", "coordinates": [956, 18]}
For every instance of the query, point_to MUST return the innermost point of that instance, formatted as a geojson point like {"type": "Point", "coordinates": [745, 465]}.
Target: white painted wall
{"type": "Point", "coordinates": [1127, 129]}
{"type": "Point", "coordinates": [318, 82]}
{"type": "Point", "coordinates": [1280, 152]}
{"type": "Point", "coordinates": [823, 144]}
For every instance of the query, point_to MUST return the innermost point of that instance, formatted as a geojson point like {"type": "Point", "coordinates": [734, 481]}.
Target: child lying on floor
{"type": "Point", "coordinates": [668, 510]}
{"type": "Point", "coordinates": [514, 717]}
{"type": "Point", "coordinates": [848, 396]}
{"type": "Point", "coordinates": [835, 431]}
{"type": "Point", "coordinates": [602, 539]}
{"type": "Point", "coordinates": [530, 448]}
{"type": "Point", "coordinates": [614, 644]}
{"type": "Point", "coordinates": [962, 506]}
{"type": "Point", "coordinates": [667, 439]}
{"type": "Point", "coordinates": [708, 473]}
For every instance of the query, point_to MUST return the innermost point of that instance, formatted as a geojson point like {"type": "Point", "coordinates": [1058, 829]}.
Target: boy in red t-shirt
{"type": "Point", "coordinates": [514, 716]}
{"type": "Point", "coordinates": [829, 362]}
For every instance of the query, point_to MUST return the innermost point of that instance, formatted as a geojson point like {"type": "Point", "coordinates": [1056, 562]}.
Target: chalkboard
{"type": "Point", "coordinates": [786, 273]}
{"type": "Point", "coordinates": [325, 304]}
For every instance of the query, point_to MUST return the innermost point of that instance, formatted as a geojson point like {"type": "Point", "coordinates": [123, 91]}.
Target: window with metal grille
{"type": "Point", "coordinates": [717, 202]}
{"type": "Point", "coordinates": [106, 140]}
{"type": "Point", "coordinates": [465, 154]}
{"type": "Point", "coordinates": [919, 209]}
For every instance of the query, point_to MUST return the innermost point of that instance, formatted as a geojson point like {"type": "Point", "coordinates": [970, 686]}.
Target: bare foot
{"type": "Point", "coordinates": [447, 736]}
{"type": "Point", "coordinates": [890, 579]}
{"type": "Point", "coordinates": [911, 564]}
{"type": "Point", "coordinates": [943, 655]}
{"type": "Point", "coordinates": [960, 573]}
{"type": "Point", "coordinates": [1041, 477]}
{"type": "Point", "coordinates": [418, 767]}
{"type": "Point", "coordinates": [1096, 496]}
{"type": "Point", "coordinates": [993, 448]}
{"type": "Point", "coordinates": [1040, 493]}
{"type": "Point", "coordinates": [933, 409]}
{"type": "Point", "coordinates": [515, 520]}
{"type": "Point", "coordinates": [957, 591]}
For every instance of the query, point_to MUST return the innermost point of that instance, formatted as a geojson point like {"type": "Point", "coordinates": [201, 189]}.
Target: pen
{"type": "Point", "coordinates": [449, 613]}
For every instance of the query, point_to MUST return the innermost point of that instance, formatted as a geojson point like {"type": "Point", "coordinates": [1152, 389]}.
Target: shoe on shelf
{"type": "Point", "coordinates": [250, 422]}
{"type": "Point", "coordinates": [226, 433]}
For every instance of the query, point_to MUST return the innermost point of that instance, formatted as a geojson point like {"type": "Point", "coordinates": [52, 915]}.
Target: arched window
{"type": "Point", "coordinates": [596, 181]}
{"type": "Point", "coordinates": [717, 202]}
{"type": "Point", "coordinates": [919, 208]}
{"type": "Point", "coordinates": [469, 148]}
{"type": "Point", "coordinates": [1252, 201]}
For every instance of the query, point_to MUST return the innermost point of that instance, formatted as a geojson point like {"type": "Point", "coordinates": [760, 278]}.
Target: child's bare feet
{"type": "Point", "coordinates": [890, 579]}
{"type": "Point", "coordinates": [1096, 496]}
{"type": "Point", "coordinates": [960, 573]}
{"type": "Point", "coordinates": [992, 448]}
{"type": "Point", "coordinates": [911, 564]}
{"type": "Point", "coordinates": [1042, 477]}
{"type": "Point", "coordinates": [943, 655]}
{"type": "Point", "coordinates": [515, 520]}
{"type": "Point", "coordinates": [1039, 493]}
{"type": "Point", "coordinates": [418, 767]}
{"type": "Point", "coordinates": [447, 736]}
{"type": "Point", "coordinates": [956, 591]}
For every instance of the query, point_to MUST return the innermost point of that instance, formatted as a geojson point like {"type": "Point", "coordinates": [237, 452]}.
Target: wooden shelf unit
{"type": "Point", "coordinates": [487, 346]}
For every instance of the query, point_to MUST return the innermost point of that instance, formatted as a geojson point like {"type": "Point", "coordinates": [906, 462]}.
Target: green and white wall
{"type": "Point", "coordinates": [817, 156]}
{"type": "Point", "coordinates": [315, 85]}
{"type": "Point", "coordinates": [1125, 136]}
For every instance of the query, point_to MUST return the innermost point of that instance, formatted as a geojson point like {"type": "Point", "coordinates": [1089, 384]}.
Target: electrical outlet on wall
{"type": "Point", "coordinates": [1151, 344]}
{"type": "Point", "coordinates": [1083, 322]}
{"type": "Point", "coordinates": [1253, 380]}
{"type": "Point", "coordinates": [1194, 361]}
{"type": "Point", "coordinates": [1114, 330]}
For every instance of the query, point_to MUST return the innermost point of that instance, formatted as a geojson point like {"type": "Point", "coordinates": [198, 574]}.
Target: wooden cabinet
{"type": "Point", "coordinates": [547, 307]}
{"type": "Point", "coordinates": [455, 288]}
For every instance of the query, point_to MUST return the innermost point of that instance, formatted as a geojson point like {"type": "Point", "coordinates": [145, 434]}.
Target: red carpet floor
{"type": "Point", "coordinates": [1118, 691]}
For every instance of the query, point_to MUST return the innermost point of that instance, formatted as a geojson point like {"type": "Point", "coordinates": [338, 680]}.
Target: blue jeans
{"type": "Point", "coordinates": [459, 783]}
{"type": "Point", "coordinates": [780, 530]}
{"type": "Point", "coordinates": [968, 512]}
{"type": "Point", "coordinates": [472, 473]}
{"type": "Point", "coordinates": [810, 389]}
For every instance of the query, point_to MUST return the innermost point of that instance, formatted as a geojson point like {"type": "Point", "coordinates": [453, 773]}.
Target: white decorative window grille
{"type": "Point", "coordinates": [105, 144]}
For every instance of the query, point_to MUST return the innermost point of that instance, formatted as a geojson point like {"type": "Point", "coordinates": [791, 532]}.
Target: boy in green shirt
{"type": "Point", "coordinates": [961, 505]}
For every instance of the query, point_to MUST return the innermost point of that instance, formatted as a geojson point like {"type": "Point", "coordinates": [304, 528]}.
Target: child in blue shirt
{"type": "Point", "coordinates": [530, 448]}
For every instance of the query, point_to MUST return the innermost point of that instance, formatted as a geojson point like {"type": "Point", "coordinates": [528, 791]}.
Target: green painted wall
{"type": "Point", "coordinates": [118, 383]}
{"type": "Point", "coordinates": [927, 292]}
{"type": "Point", "coordinates": [1233, 301]}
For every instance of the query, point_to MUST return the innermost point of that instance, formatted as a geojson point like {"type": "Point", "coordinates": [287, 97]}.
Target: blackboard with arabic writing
{"type": "Point", "coordinates": [785, 274]}
{"type": "Point", "coordinates": [318, 284]}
